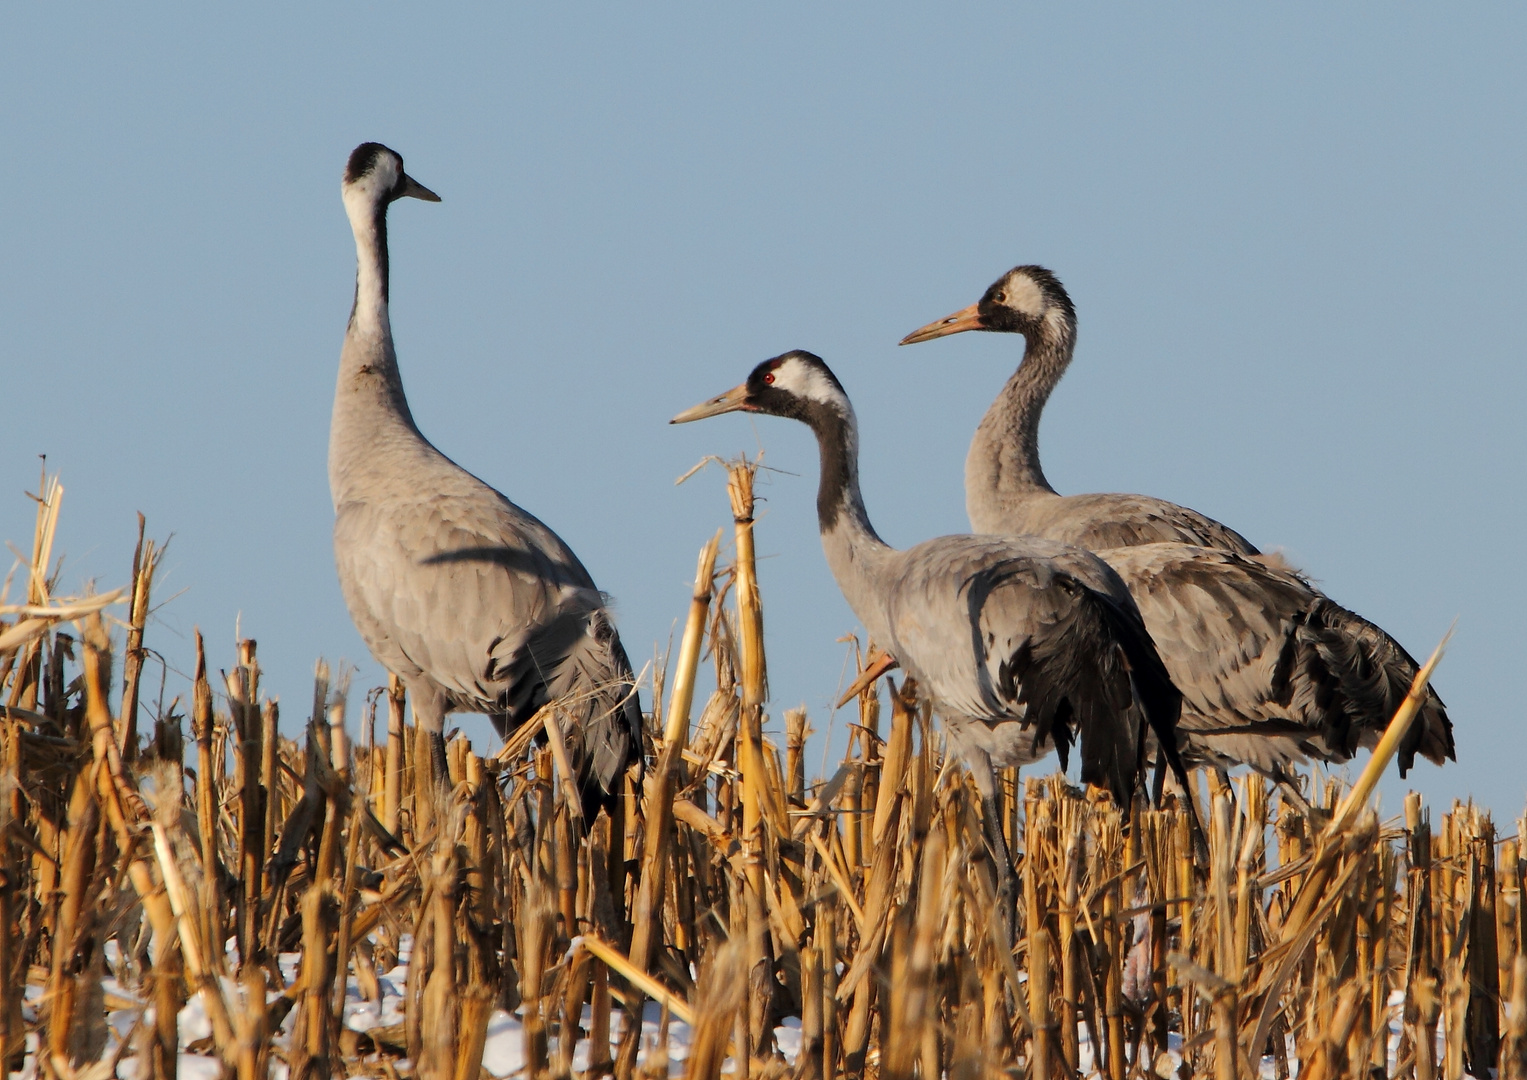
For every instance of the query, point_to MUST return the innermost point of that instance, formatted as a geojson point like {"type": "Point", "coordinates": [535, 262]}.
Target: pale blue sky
{"type": "Point", "coordinates": [1295, 236]}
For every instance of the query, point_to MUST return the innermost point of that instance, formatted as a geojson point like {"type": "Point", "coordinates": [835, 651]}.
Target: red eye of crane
{"type": "Point", "coordinates": [769, 378]}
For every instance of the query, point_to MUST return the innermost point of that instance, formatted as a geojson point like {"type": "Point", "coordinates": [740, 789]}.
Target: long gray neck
{"type": "Point", "coordinates": [371, 415]}
{"type": "Point", "coordinates": [1002, 470]}
{"type": "Point", "coordinates": [855, 553]}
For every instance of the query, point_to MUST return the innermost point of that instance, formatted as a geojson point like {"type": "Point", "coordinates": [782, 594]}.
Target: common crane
{"type": "Point", "coordinates": [1272, 671]}
{"type": "Point", "coordinates": [471, 601]}
{"type": "Point", "coordinates": [1024, 645]}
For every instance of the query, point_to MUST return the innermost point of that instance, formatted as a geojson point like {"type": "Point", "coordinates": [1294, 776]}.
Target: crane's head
{"type": "Point", "coordinates": [796, 384]}
{"type": "Point", "coordinates": [374, 177]}
{"type": "Point", "coordinates": [1027, 300]}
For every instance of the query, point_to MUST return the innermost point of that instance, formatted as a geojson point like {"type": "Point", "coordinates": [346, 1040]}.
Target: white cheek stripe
{"type": "Point", "coordinates": [1024, 295]}
{"type": "Point", "coordinates": [807, 382]}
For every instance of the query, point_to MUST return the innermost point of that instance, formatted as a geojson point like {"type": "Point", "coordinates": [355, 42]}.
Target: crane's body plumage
{"type": "Point", "coordinates": [1040, 660]}
{"type": "Point", "coordinates": [1272, 671]}
{"type": "Point", "coordinates": [473, 602]}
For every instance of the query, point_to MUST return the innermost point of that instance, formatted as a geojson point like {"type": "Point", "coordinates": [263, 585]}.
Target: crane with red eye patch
{"type": "Point", "coordinates": [1025, 646]}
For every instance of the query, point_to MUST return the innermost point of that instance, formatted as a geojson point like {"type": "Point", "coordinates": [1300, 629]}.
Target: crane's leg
{"type": "Point", "coordinates": [433, 779]}
{"type": "Point", "coordinates": [1167, 742]}
{"type": "Point", "coordinates": [979, 763]}
{"type": "Point", "coordinates": [1007, 883]}
{"type": "Point", "coordinates": [969, 748]}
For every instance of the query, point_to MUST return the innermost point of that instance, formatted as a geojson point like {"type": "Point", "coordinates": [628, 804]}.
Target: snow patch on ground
{"type": "Point", "coordinates": [504, 1049]}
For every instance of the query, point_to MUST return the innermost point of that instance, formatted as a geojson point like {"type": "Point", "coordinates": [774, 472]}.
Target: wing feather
{"type": "Point", "coordinates": [1042, 650]}
{"type": "Point", "coordinates": [1272, 672]}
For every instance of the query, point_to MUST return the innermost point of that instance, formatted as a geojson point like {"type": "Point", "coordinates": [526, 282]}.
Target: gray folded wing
{"type": "Point", "coordinates": [1039, 650]}
{"type": "Point", "coordinates": [1271, 671]}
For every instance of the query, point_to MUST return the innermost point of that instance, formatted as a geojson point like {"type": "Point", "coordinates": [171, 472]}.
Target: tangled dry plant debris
{"type": "Point", "coordinates": [277, 878]}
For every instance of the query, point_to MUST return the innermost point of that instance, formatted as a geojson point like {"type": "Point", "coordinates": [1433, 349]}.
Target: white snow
{"type": "Point", "coordinates": [504, 1049]}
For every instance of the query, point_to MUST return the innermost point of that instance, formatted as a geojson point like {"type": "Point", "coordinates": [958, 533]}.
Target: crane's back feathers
{"type": "Point", "coordinates": [1101, 521]}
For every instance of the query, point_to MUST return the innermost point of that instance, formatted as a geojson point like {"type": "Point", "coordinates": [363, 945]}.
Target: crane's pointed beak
{"type": "Point", "coordinates": [414, 190]}
{"type": "Point", "coordinates": [734, 400]}
{"type": "Point", "coordinates": [962, 320]}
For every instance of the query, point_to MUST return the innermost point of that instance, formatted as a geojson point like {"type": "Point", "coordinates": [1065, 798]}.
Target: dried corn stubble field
{"type": "Point", "coordinates": [267, 891]}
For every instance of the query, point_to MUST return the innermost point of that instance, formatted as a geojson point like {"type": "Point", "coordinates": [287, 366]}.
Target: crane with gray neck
{"type": "Point", "coordinates": [472, 602]}
{"type": "Point", "coordinates": [1272, 671]}
{"type": "Point", "coordinates": [1024, 645]}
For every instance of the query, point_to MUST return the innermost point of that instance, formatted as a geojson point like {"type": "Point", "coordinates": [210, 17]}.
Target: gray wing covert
{"type": "Point", "coordinates": [564, 648]}
{"type": "Point", "coordinates": [927, 612]}
{"type": "Point", "coordinates": [1222, 625]}
{"type": "Point", "coordinates": [485, 602]}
